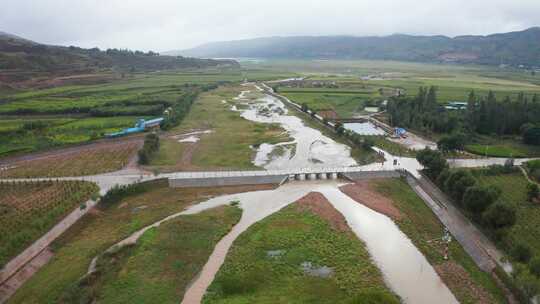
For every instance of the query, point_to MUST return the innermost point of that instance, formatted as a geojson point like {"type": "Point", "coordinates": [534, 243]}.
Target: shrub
{"type": "Point", "coordinates": [533, 191]}
{"type": "Point", "coordinates": [534, 266]}
{"type": "Point", "coordinates": [521, 252]}
{"type": "Point", "coordinates": [150, 147]}
{"type": "Point", "coordinates": [499, 215]}
{"type": "Point", "coordinates": [457, 183]}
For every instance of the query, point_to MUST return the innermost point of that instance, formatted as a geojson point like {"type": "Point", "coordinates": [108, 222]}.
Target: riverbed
{"type": "Point", "coordinates": [405, 270]}
{"type": "Point", "coordinates": [309, 147]}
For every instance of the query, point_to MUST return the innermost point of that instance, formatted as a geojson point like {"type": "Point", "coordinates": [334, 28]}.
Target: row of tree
{"type": "Point", "coordinates": [484, 205]}
{"type": "Point", "coordinates": [483, 115]}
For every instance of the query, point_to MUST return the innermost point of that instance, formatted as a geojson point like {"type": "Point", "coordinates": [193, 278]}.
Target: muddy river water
{"type": "Point", "coordinates": [405, 270]}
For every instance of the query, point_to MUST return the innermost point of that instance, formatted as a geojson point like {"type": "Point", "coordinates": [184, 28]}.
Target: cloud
{"type": "Point", "coordinates": [177, 24]}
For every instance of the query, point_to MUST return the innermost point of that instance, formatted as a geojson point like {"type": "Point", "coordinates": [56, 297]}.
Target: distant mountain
{"type": "Point", "coordinates": [514, 48]}
{"type": "Point", "coordinates": [21, 59]}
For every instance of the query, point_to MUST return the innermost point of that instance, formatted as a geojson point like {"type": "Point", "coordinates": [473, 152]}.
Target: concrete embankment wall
{"type": "Point", "coordinates": [226, 181]}
{"type": "Point", "coordinates": [370, 175]}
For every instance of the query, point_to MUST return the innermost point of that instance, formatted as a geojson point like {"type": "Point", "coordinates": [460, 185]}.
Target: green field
{"type": "Point", "coordinates": [161, 265]}
{"type": "Point", "coordinates": [500, 147]}
{"type": "Point", "coordinates": [99, 230]}
{"type": "Point", "coordinates": [74, 114]}
{"type": "Point", "coordinates": [514, 191]}
{"type": "Point", "coordinates": [453, 81]}
{"type": "Point", "coordinates": [251, 274]}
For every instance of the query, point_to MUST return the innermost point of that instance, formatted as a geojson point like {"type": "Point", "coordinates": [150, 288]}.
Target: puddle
{"type": "Point", "coordinates": [190, 139]}
{"type": "Point", "coordinates": [406, 271]}
{"type": "Point", "coordinates": [364, 128]}
{"type": "Point", "coordinates": [314, 271]}
{"type": "Point", "coordinates": [275, 254]}
{"type": "Point", "coordinates": [310, 144]}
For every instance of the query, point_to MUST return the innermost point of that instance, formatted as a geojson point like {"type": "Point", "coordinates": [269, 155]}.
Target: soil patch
{"type": "Point", "coordinates": [458, 279]}
{"type": "Point", "coordinates": [319, 205]}
{"type": "Point", "coordinates": [364, 193]}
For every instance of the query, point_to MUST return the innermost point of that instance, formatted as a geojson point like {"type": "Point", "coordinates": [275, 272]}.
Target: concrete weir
{"type": "Point", "coordinates": [233, 178]}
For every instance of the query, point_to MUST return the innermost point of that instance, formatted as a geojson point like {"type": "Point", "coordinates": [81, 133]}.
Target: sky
{"type": "Point", "coordinates": [163, 25]}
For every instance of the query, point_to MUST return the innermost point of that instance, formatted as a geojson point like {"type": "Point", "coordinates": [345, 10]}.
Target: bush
{"type": "Point", "coordinates": [533, 191]}
{"type": "Point", "coordinates": [499, 216]}
{"type": "Point", "coordinates": [478, 198]}
{"type": "Point", "coordinates": [150, 147]}
{"type": "Point", "coordinates": [117, 193]}
{"type": "Point", "coordinates": [458, 182]}
{"type": "Point", "coordinates": [534, 266]}
{"type": "Point", "coordinates": [521, 252]}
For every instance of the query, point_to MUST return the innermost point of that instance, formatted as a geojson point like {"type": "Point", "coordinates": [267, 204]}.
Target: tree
{"type": "Point", "coordinates": [532, 136]}
{"type": "Point", "coordinates": [433, 162]}
{"type": "Point", "coordinates": [457, 183]}
{"type": "Point", "coordinates": [478, 198]}
{"type": "Point", "coordinates": [499, 216]}
{"type": "Point", "coordinates": [534, 266]}
{"type": "Point", "coordinates": [305, 107]}
{"type": "Point", "coordinates": [339, 128]}
{"type": "Point", "coordinates": [521, 252]}
{"type": "Point", "coordinates": [452, 142]}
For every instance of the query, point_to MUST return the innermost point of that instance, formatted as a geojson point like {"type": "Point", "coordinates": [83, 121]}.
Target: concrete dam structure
{"type": "Point", "coordinates": [235, 178]}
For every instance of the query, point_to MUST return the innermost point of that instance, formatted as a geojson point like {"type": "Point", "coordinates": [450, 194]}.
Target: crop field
{"type": "Point", "coordinates": [161, 265]}
{"type": "Point", "coordinates": [99, 230]}
{"type": "Point", "coordinates": [29, 209]}
{"type": "Point", "coordinates": [514, 191]}
{"type": "Point", "coordinates": [266, 263]}
{"type": "Point", "coordinates": [468, 283]}
{"type": "Point", "coordinates": [82, 161]}
{"type": "Point", "coordinates": [453, 81]}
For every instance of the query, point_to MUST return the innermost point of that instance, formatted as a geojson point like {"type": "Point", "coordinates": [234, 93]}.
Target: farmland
{"type": "Point", "coordinates": [265, 262]}
{"type": "Point", "coordinates": [33, 120]}
{"type": "Point", "coordinates": [79, 161]}
{"type": "Point", "coordinates": [99, 230]}
{"type": "Point", "coordinates": [29, 209]}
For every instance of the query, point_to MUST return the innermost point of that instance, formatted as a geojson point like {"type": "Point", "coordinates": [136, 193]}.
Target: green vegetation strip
{"type": "Point", "coordinates": [265, 264]}
{"type": "Point", "coordinates": [160, 266]}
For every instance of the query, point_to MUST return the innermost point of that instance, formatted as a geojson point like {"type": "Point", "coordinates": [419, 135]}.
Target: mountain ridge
{"type": "Point", "coordinates": [513, 48]}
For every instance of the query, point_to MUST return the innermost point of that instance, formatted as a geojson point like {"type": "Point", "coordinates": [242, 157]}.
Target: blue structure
{"type": "Point", "coordinates": [140, 126]}
{"type": "Point", "coordinates": [399, 132]}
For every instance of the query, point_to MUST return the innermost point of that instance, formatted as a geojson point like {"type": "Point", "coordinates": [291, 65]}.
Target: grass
{"type": "Point", "coordinates": [345, 104]}
{"type": "Point", "coordinates": [249, 275]}
{"type": "Point", "coordinates": [500, 147]}
{"type": "Point", "coordinates": [159, 268]}
{"type": "Point", "coordinates": [84, 161]}
{"type": "Point", "coordinates": [514, 191]}
{"type": "Point", "coordinates": [229, 145]}
{"type": "Point", "coordinates": [421, 225]}
{"type": "Point", "coordinates": [29, 209]}
{"type": "Point", "coordinates": [99, 230]}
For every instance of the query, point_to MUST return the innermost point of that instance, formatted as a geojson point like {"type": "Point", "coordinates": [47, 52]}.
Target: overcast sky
{"type": "Point", "coordinates": [178, 24]}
